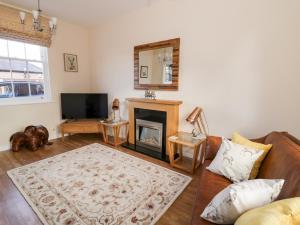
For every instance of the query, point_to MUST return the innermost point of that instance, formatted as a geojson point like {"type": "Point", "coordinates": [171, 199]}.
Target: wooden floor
{"type": "Point", "coordinates": [14, 209]}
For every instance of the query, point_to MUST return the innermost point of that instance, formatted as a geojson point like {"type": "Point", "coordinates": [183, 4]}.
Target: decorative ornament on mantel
{"type": "Point", "coordinates": [36, 14]}
{"type": "Point", "coordinates": [150, 94]}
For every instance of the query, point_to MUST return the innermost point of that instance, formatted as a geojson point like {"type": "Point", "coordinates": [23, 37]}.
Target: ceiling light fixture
{"type": "Point", "coordinates": [37, 26]}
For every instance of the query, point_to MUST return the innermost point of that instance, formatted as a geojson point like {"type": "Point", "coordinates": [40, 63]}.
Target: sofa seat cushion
{"type": "Point", "coordinates": [209, 184]}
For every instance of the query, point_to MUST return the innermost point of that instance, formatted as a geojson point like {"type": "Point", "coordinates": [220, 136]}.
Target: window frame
{"type": "Point", "coordinates": [47, 97]}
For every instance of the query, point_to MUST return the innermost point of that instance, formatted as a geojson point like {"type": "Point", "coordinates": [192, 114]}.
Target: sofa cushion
{"type": "Point", "coordinates": [282, 162]}
{"type": "Point", "coordinates": [239, 139]}
{"type": "Point", "coordinates": [238, 198]}
{"type": "Point", "coordinates": [234, 161]}
{"type": "Point", "coordinates": [213, 144]}
{"type": "Point", "coordinates": [277, 213]}
{"type": "Point", "coordinates": [209, 184]}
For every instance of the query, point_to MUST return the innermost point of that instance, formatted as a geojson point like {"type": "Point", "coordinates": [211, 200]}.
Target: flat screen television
{"type": "Point", "coordinates": [84, 106]}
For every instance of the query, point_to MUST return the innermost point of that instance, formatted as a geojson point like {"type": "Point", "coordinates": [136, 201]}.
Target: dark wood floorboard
{"type": "Point", "coordinates": [14, 209]}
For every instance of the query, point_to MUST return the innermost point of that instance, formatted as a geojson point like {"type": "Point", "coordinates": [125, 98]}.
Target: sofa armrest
{"type": "Point", "coordinates": [212, 146]}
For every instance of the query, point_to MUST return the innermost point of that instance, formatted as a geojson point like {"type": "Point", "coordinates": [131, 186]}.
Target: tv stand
{"type": "Point", "coordinates": [83, 126]}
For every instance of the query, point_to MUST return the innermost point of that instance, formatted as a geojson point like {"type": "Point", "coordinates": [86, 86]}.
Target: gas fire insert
{"type": "Point", "coordinates": [149, 134]}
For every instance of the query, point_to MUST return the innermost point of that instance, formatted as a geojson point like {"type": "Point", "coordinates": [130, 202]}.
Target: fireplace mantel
{"type": "Point", "coordinates": [155, 101]}
{"type": "Point", "coordinates": [171, 107]}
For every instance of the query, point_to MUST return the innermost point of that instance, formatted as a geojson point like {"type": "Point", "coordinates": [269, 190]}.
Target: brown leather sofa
{"type": "Point", "coordinates": [282, 162]}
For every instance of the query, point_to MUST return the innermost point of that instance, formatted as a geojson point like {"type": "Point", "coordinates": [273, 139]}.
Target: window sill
{"type": "Point", "coordinates": [24, 101]}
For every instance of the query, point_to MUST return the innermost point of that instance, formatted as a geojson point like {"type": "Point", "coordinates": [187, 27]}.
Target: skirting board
{"type": "Point", "coordinates": [4, 147]}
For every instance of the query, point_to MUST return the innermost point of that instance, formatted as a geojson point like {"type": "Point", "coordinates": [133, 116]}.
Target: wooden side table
{"type": "Point", "coordinates": [185, 139]}
{"type": "Point", "coordinates": [116, 127]}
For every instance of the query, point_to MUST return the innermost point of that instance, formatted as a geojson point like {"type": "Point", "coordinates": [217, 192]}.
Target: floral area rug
{"type": "Point", "coordinates": [97, 185]}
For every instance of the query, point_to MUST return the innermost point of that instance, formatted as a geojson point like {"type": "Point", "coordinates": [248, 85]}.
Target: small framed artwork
{"type": "Point", "coordinates": [71, 62]}
{"type": "Point", "coordinates": [144, 72]}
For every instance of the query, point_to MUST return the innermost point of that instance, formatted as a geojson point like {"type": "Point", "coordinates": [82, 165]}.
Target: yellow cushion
{"type": "Point", "coordinates": [283, 212]}
{"type": "Point", "coordinates": [238, 139]}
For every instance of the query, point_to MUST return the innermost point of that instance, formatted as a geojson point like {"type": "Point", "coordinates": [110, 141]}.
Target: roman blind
{"type": "Point", "coordinates": [11, 28]}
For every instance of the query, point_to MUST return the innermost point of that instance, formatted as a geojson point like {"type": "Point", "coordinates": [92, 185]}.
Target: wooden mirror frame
{"type": "Point", "coordinates": [175, 43]}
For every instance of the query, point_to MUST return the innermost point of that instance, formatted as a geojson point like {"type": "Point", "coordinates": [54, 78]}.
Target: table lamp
{"type": "Point", "coordinates": [116, 107]}
{"type": "Point", "coordinates": [196, 118]}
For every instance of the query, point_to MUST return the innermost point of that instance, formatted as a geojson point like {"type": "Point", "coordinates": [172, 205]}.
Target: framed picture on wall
{"type": "Point", "coordinates": [70, 62]}
{"type": "Point", "coordinates": [144, 72]}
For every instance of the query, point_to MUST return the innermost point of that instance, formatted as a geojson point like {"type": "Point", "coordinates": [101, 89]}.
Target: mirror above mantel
{"type": "Point", "coordinates": [156, 65]}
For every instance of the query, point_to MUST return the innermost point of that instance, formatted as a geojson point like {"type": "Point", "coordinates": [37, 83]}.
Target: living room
{"type": "Point", "coordinates": [235, 60]}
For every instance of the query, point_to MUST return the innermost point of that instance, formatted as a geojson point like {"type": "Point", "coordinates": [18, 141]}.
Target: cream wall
{"type": "Point", "coordinates": [239, 60]}
{"type": "Point", "coordinates": [69, 39]}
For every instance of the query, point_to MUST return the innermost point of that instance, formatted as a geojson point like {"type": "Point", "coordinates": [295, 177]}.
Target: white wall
{"type": "Point", "coordinates": [69, 39]}
{"type": "Point", "coordinates": [239, 60]}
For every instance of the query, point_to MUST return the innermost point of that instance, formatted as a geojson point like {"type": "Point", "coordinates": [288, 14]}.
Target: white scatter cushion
{"type": "Point", "coordinates": [236, 199]}
{"type": "Point", "coordinates": [234, 161]}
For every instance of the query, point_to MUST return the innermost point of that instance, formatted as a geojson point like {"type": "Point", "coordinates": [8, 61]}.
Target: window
{"type": "Point", "coordinates": [23, 73]}
{"type": "Point", "coordinates": [167, 74]}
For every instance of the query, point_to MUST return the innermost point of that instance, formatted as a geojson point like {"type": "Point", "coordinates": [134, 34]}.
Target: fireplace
{"type": "Point", "coordinates": [150, 131]}
{"type": "Point", "coordinates": [151, 121]}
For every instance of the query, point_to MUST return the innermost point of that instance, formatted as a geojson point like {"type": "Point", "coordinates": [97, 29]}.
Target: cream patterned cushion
{"type": "Point", "coordinates": [234, 161]}
{"type": "Point", "coordinates": [238, 198]}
